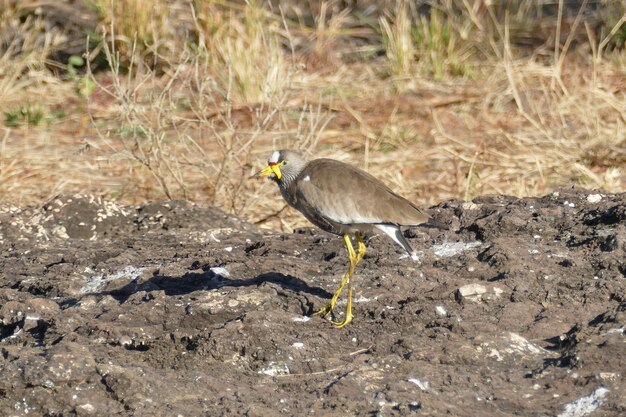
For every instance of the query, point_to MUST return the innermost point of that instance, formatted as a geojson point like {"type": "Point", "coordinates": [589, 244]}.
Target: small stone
{"type": "Point", "coordinates": [611, 376]}
{"type": "Point", "coordinates": [441, 311]}
{"type": "Point", "coordinates": [594, 198]}
{"type": "Point", "coordinates": [472, 292]}
{"type": "Point", "coordinates": [478, 292]}
{"type": "Point", "coordinates": [126, 341]}
{"type": "Point", "coordinates": [469, 205]}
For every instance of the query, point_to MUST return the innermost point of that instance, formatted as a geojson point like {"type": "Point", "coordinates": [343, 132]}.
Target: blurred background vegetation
{"type": "Point", "coordinates": [138, 99]}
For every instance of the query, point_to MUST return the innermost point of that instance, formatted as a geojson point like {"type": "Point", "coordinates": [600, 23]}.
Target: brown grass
{"type": "Point", "coordinates": [455, 105]}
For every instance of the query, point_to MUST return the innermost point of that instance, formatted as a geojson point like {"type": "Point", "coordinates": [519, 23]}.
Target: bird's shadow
{"type": "Point", "coordinates": [209, 280]}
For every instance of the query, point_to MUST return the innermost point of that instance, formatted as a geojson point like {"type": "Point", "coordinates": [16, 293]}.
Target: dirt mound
{"type": "Point", "coordinates": [174, 309]}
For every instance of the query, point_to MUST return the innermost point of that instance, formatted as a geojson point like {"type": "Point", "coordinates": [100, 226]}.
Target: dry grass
{"type": "Point", "coordinates": [187, 102]}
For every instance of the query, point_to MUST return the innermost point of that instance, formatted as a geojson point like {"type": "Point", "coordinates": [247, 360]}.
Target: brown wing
{"type": "Point", "coordinates": [348, 195]}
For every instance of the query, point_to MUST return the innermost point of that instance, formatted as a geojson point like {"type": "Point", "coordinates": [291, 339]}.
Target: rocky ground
{"type": "Point", "coordinates": [173, 309]}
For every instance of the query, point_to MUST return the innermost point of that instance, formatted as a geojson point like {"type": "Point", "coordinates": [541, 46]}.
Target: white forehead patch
{"type": "Point", "coordinates": [274, 157]}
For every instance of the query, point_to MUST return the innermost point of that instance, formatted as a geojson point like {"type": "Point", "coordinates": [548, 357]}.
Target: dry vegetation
{"type": "Point", "coordinates": [137, 100]}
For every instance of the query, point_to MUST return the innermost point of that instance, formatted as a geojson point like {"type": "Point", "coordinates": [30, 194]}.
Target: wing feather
{"type": "Point", "coordinates": [348, 195]}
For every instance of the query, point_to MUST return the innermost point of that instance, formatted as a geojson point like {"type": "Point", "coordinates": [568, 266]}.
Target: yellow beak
{"type": "Point", "coordinates": [269, 170]}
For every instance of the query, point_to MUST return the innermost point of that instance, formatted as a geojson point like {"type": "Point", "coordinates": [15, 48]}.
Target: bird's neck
{"type": "Point", "coordinates": [285, 185]}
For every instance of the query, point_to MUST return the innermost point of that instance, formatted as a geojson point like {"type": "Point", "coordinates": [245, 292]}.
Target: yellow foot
{"type": "Point", "coordinates": [340, 324]}
{"type": "Point", "coordinates": [326, 310]}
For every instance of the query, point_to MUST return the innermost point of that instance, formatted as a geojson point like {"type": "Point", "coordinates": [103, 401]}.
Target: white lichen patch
{"type": "Point", "coordinates": [87, 408]}
{"type": "Point", "coordinates": [214, 303]}
{"type": "Point", "coordinates": [221, 271]}
{"type": "Point", "coordinates": [217, 301]}
{"type": "Point", "coordinates": [60, 231]}
{"type": "Point", "coordinates": [108, 208]}
{"type": "Point", "coordinates": [361, 299]}
{"type": "Point", "coordinates": [10, 209]}
{"type": "Point", "coordinates": [494, 353]}
{"type": "Point", "coordinates": [421, 383]}
{"type": "Point", "coordinates": [616, 329]}
{"type": "Point", "coordinates": [448, 249]}
{"type": "Point", "coordinates": [273, 369]}
{"type": "Point", "coordinates": [511, 346]}
{"type": "Point", "coordinates": [211, 235]}
{"type": "Point", "coordinates": [585, 405]}
{"type": "Point", "coordinates": [96, 282]}
{"type": "Point", "coordinates": [415, 256]}
{"type": "Point", "coordinates": [31, 225]}
{"type": "Point", "coordinates": [523, 345]}
{"type": "Point", "coordinates": [254, 298]}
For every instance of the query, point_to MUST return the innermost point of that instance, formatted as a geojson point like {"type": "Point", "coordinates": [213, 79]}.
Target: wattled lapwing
{"type": "Point", "coordinates": [343, 200]}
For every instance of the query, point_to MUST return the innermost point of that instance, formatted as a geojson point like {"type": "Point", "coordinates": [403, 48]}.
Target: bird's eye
{"type": "Point", "coordinates": [284, 162]}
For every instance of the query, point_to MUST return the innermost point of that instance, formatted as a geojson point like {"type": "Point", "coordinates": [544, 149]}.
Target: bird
{"type": "Point", "coordinates": [344, 200]}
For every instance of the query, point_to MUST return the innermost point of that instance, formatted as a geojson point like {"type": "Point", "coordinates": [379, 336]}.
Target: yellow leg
{"type": "Point", "coordinates": [346, 277]}
{"type": "Point", "coordinates": [355, 258]}
{"type": "Point", "coordinates": [361, 249]}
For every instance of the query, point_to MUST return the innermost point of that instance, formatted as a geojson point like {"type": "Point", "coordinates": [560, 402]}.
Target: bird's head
{"type": "Point", "coordinates": [283, 165]}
